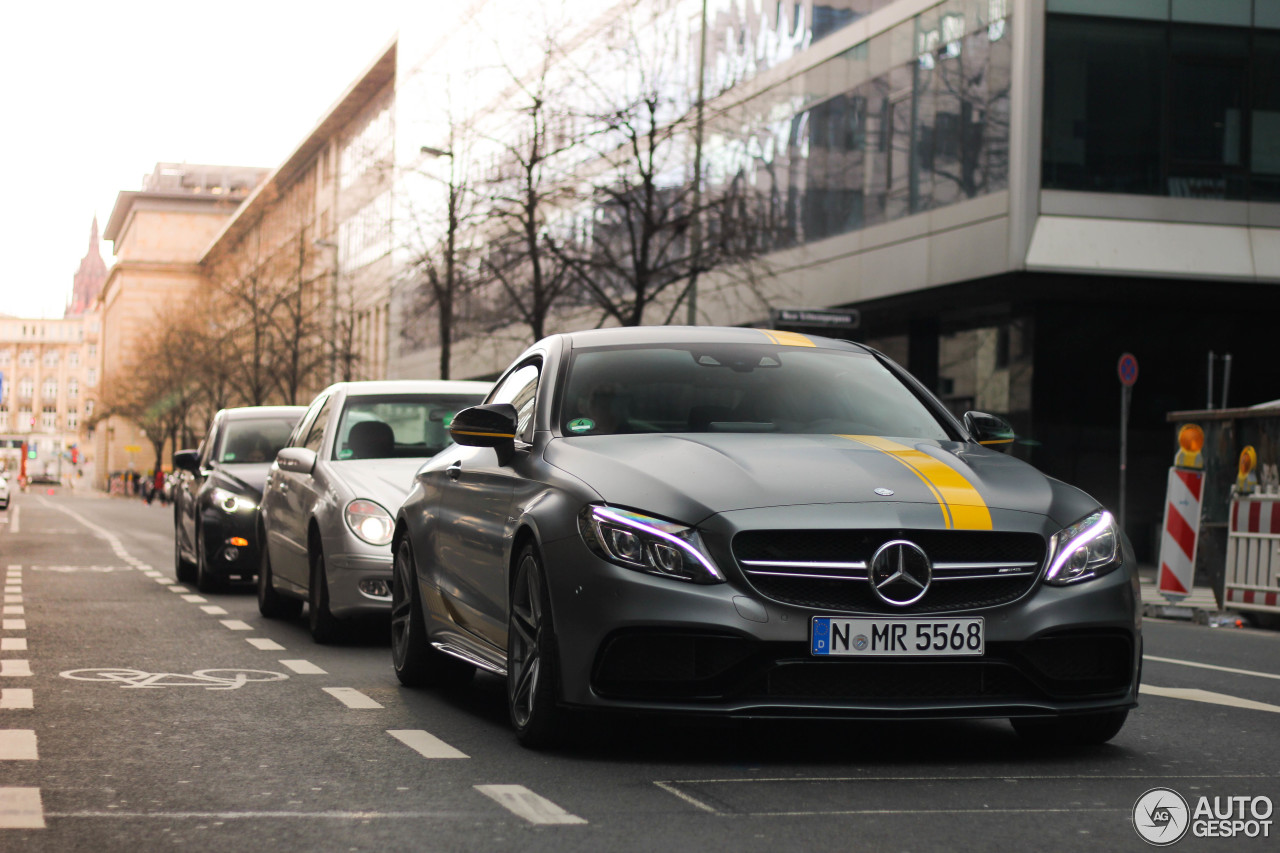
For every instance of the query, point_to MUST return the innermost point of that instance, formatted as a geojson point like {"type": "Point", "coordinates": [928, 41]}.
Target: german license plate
{"type": "Point", "coordinates": [836, 635]}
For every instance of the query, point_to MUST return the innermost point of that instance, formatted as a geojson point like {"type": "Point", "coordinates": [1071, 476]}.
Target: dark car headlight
{"type": "Point", "coordinates": [230, 502]}
{"type": "Point", "coordinates": [369, 521]}
{"type": "Point", "coordinates": [647, 544]}
{"type": "Point", "coordinates": [1087, 549]}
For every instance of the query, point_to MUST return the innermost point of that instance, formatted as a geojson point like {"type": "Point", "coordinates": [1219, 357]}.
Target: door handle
{"type": "Point", "coordinates": [454, 471]}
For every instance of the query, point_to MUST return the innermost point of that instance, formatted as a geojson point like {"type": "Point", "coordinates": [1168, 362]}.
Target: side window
{"type": "Point", "coordinates": [298, 436]}
{"type": "Point", "coordinates": [207, 449]}
{"type": "Point", "coordinates": [520, 389]}
{"type": "Point", "coordinates": [315, 434]}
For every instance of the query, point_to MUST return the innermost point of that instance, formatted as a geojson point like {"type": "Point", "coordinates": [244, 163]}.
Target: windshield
{"type": "Point", "coordinates": [398, 426]}
{"type": "Point", "coordinates": [739, 388]}
{"type": "Point", "coordinates": [252, 441]}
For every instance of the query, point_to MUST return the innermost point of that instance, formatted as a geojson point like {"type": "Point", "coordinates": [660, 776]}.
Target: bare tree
{"type": "Point", "coordinates": [299, 337]}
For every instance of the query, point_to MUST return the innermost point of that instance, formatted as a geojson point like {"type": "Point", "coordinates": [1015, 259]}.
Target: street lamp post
{"type": "Point", "coordinates": [333, 310]}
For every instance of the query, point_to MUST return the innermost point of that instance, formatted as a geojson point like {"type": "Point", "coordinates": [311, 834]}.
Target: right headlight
{"type": "Point", "coordinates": [369, 521]}
{"type": "Point", "coordinates": [1087, 549]}
{"type": "Point", "coordinates": [648, 544]}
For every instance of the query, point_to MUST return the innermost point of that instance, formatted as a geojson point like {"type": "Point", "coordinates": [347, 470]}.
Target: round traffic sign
{"type": "Point", "coordinates": [1128, 369]}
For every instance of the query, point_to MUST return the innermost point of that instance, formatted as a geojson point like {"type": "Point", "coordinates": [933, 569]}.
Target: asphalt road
{"type": "Point", "coordinates": [137, 716]}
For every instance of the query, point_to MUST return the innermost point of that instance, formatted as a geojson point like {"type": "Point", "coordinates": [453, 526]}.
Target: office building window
{"type": "Point", "coordinates": [26, 358]}
{"type": "Point", "coordinates": [73, 388]}
{"type": "Point", "coordinates": [26, 388]}
{"type": "Point", "coordinates": [49, 418]}
{"type": "Point", "coordinates": [49, 389]}
{"type": "Point", "coordinates": [51, 358]}
{"type": "Point", "coordinates": [73, 358]}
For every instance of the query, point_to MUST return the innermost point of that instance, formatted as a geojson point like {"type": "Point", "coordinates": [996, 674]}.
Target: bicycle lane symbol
{"type": "Point", "coordinates": [209, 679]}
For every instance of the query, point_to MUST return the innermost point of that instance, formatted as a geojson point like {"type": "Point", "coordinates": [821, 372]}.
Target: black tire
{"type": "Point", "coordinates": [183, 569]}
{"type": "Point", "coordinates": [206, 581]}
{"type": "Point", "coordinates": [325, 627]}
{"type": "Point", "coordinates": [1074, 730]}
{"type": "Point", "coordinates": [272, 604]}
{"type": "Point", "coordinates": [416, 663]}
{"type": "Point", "coordinates": [532, 657]}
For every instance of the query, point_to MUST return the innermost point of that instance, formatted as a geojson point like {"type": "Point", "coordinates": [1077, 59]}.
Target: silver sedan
{"type": "Point", "coordinates": [328, 504]}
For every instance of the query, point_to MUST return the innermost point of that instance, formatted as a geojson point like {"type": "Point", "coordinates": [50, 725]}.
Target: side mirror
{"type": "Point", "coordinates": [493, 425]}
{"type": "Point", "coordinates": [187, 460]}
{"type": "Point", "coordinates": [297, 460]}
{"type": "Point", "coordinates": [989, 430]}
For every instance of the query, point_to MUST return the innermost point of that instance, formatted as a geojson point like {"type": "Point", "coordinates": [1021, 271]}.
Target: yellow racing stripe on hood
{"type": "Point", "coordinates": [787, 339]}
{"type": "Point", "coordinates": [962, 507]}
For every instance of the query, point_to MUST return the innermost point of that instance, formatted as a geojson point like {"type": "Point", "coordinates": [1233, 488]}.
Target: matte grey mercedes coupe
{"type": "Point", "coordinates": [746, 522]}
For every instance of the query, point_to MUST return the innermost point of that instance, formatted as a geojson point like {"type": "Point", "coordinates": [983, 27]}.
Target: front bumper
{"type": "Point", "coordinates": [638, 642]}
{"type": "Point", "coordinates": [353, 582]}
{"type": "Point", "coordinates": [225, 559]}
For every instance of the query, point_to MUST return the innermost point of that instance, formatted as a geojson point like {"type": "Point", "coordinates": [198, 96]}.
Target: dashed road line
{"type": "Point", "coordinates": [14, 668]}
{"type": "Point", "coordinates": [17, 587]}
{"type": "Point", "coordinates": [163, 581]}
{"type": "Point", "coordinates": [214, 610]}
{"type": "Point", "coordinates": [194, 599]}
{"type": "Point", "coordinates": [524, 803]}
{"type": "Point", "coordinates": [20, 808]}
{"type": "Point", "coordinates": [13, 624]}
{"type": "Point", "coordinates": [12, 598]}
{"type": "Point", "coordinates": [425, 744]}
{"type": "Point", "coordinates": [303, 667]}
{"type": "Point", "coordinates": [1196, 695]}
{"type": "Point", "coordinates": [237, 624]}
{"type": "Point", "coordinates": [16, 699]}
{"type": "Point", "coordinates": [352, 698]}
{"type": "Point", "coordinates": [13, 610]}
{"type": "Point", "coordinates": [1199, 665]}
{"type": "Point", "coordinates": [265, 645]}
{"type": "Point", "coordinates": [18, 745]}
{"type": "Point", "coordinates": [13, 644]}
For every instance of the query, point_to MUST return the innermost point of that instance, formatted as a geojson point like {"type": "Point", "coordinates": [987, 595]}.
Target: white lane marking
{"type": "Point", "coordinates": [13, 610]}
{"type": "Point", "coordinates": [14, 668]}
{"type": "Point", "coordinates": [1199, 665]}
{"type": "Point", "coordinates": [351, 697]}
{"type": "Point", "coordinates": [13, 644]}
{"type": "Point", "coordinates": [425, 744]}
{"type": "Point", "coordinates": [524, 803]}
{"type": "Point", "coordinates": [214, 610]}
{"type": "Point", "coordinates": [163, 581]}
{"type": "Point", "coordinates": [194, 599]}
{"type": "Point", "coordinates": [14, 567]}
{"type": "Point", "coordinates": [14, 624]}
{"type": "Point", "coordinates": [17, 699]}
{"type": "Point", "coordinates": [17, 587]}
{"type": "Point", "coordinates": [13, 599]}
{"type": "Point", "coordinates": [1195, 695]}
{"type": "Point", "coordinates": [18, 745]}
{"type": "Point", "coordinates": [237, 625]}
{"type": "Point", "coordinates": [13, 519]}
{"type": "Point", "coordinates": [153, 574]}
{"type": "Point", "coordinates": [178, 589]}
{"type": "Point", "coordinates": [671, 789]}
{"type": "Point", "coordinates": [20, 808]}
{"type": "Point", "coordinates": [263, 644]}
{"type": "Point", "coordinates": [303, 667]}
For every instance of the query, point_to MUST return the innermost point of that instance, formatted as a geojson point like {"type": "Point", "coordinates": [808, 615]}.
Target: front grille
{"type": "Point", "coordinates": [827, 569]}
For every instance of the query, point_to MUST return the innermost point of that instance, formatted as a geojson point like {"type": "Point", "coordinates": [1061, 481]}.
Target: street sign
{"type": "Point", "coordinates": [816, 318]}
{"type": "Point", "coordinates": [133, 448]}
{"type": "Point", "coordinates": [1128, 369]}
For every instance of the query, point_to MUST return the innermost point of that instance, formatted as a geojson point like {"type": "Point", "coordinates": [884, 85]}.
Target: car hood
{"type": "Point", "coordinates": [692, 476]}
{"type": "Point", "coordinates": [385, 481]}
{"type": "Point", "coordinates": [247, 479]}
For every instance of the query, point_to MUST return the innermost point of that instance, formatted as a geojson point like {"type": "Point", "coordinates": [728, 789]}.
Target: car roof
{"type": "Point", "coordinates": [639, 335]}
{"type": "Point", "coordinates": [412, 386]}
{"type": "Point", "coordinates": [242, 413]}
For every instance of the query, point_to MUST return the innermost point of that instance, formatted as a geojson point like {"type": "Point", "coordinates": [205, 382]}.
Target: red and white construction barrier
{"type": "Point", "coordinates": [1181, 533]}
{"type": "Point", "coordinates": [1253, 554]}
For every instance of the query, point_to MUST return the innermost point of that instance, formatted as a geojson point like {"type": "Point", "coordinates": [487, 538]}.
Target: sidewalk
{"type": "Point", "coordinates": [1201, 597]}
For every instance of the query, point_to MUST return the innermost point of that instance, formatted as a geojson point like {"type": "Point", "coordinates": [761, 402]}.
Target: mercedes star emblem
{"type": "Point", "coordinates": [900, 573]}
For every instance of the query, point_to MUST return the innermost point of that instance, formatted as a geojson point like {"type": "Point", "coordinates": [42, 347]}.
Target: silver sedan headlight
{"type": "Point", "coordinates": [369, 521]}
{"type": "Point", "coordinates": [647, 544]}
{"type": "Point", "coordinates": [1087, 549]}
{"type": "Point", "coordinates": [230, 502]}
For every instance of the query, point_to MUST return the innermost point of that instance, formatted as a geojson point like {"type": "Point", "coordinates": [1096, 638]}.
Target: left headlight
{"type": "Point", "coordinates": [1087, 549]}
{"type": "Point", "coordinates": [369, 521]}
{"type": "Point", "coordinates": [230, 502]}
{"type": "Point", "coordinates": [647, 544]}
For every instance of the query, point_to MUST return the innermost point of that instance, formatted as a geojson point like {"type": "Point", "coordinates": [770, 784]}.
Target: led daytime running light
{"type": "Point", "coordinates": [1103, 525]}
{"type": "Point", "coordinates": [633, 520]}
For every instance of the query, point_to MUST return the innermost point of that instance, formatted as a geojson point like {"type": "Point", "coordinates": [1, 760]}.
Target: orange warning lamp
{"type": "Point", "coordinates": [1190, 442]}
{"type": "Point", "coordinates": [1246, 481]}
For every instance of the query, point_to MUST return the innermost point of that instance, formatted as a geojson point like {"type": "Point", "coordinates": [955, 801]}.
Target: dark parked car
{"type": "Point", "coordinates": [328, 504]}
{"type": "Point", "coordinates": [737, 521]}
{"type": "Point", "coordinates": [215, 500]}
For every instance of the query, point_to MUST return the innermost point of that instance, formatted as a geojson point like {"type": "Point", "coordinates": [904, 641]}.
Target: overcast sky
{"type": "Point", "coordinates": [94, 94]}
